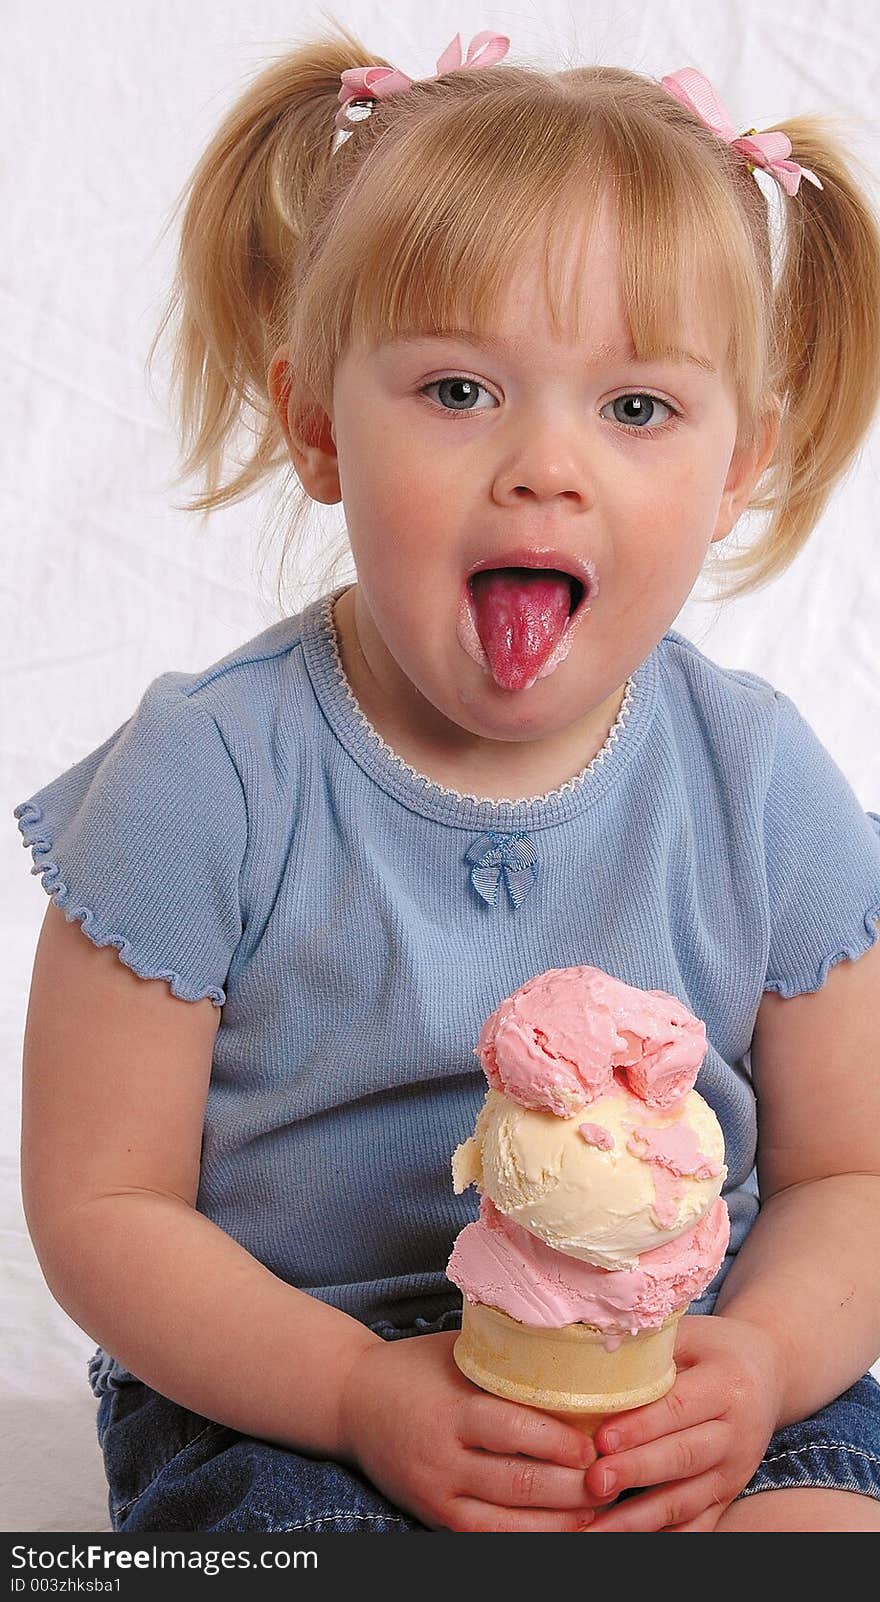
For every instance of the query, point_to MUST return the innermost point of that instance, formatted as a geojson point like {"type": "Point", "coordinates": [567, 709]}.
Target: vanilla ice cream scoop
{"type": "Point", "coordinates": [612, 1181]}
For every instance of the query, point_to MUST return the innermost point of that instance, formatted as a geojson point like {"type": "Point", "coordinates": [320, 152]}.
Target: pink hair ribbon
{"type": "Point", "coordinates": [379, 83]}
{"type": "Point", "coordinates": [767, 150]}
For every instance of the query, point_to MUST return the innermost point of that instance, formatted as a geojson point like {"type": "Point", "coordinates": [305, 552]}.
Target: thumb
{"type": "Point", "coordinates": [691, 1339]}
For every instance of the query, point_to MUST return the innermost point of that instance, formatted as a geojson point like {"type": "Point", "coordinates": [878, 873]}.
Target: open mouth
{"type": "Point", "coordinates": [527, 575]}
{"type": "Point", "coordinates": [516, 621]}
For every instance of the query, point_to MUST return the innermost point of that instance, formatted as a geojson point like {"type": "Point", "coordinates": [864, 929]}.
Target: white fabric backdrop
{"type": "Point", "coordinates": [107, 585]}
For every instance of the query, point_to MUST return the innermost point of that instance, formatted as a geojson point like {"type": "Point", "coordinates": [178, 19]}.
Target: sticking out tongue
{"type": "Point", "coordinates": [520, 613]}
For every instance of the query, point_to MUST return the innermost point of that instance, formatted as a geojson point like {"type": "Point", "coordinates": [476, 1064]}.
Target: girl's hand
{"type": "Point", "coordinates": [701, 1443]}
{"type": "Point", "coordinates": [454, 1456]}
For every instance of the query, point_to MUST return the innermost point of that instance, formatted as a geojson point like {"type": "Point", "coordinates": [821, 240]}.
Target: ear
{"type": "Point", "coordinates": [746, 467]}
{"type": "Point", "coordinates": [309, 434]}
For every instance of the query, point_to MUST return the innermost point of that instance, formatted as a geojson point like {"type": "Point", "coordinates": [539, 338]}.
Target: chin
{"type": "Point", "coordinates": [531, 714]}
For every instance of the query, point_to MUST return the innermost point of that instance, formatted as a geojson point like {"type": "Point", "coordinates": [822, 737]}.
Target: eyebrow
{"type": "Point", "coordinates": [607, 351]}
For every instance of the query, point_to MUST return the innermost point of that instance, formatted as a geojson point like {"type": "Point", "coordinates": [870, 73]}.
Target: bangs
{"type": "Point", "coordinates": [519, 169]}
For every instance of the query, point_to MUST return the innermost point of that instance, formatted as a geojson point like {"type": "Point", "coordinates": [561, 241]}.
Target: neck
{"type": "Point", "coordinates": [443, 751]}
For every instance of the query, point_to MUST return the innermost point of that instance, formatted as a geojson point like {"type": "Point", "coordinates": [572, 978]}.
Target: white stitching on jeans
{"type": "Point", "coordinates": [187, 1444]}
{"type": "Point", "coordinates": [823, 1446]}
{"type": "Point", "coordinates": [327, 1518]}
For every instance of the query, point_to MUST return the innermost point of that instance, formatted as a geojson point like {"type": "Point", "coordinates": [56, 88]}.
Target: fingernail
{"type": "Point", "coordinates": [612, 1440]}
{"type": "Point", "coordinates": [606, 1481]}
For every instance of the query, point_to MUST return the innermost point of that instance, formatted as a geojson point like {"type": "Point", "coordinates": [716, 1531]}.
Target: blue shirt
{"type": "Point", "coordinates": [247, 835]}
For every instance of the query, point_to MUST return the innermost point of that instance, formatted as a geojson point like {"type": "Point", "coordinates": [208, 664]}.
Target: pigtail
{"type": "Point", "coordinates": [246, 215]}
{"type": "Point", "coordinates": [825, 347]}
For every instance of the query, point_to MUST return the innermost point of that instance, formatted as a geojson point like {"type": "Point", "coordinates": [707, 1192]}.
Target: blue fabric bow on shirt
{"type": "Point", "coordinates": [512, 855]}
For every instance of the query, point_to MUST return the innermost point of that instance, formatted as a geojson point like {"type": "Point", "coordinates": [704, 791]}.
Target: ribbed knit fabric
{"type": "Point", "coordinates": [246, 835]}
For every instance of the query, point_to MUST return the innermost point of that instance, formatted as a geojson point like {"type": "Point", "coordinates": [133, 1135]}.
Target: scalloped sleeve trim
{"type": "Point", "coordinates": [806, 983]}
{"type": "Point", "coordinates": [30, 819]}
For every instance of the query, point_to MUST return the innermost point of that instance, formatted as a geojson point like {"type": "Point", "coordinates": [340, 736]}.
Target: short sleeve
{"type": "Point", "coordinates": [822, 860]}
{"type": "Point", "coordinates": [143, 840]}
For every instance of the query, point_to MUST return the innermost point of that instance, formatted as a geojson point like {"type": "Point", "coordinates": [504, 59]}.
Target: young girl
{"type": "Point", "coordinates": [532, 329]}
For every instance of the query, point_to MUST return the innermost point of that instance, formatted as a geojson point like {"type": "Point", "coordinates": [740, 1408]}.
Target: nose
{"type": "Point", "coordinates": [545, 463]}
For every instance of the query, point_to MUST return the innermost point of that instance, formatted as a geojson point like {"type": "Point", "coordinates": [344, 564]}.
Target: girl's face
{"type": "Point", "coordinates": [532, 454]}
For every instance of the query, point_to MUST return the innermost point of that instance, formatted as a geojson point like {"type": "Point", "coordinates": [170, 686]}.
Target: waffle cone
{"type": "Point", "coordinates": [568, 1372]}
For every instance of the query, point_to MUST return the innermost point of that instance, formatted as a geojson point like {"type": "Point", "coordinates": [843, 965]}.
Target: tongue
{"type": "Point", "coordinates": [520, 613]}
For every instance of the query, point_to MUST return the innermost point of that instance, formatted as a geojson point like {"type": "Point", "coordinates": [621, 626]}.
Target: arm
{"type": "Point", "coordinates": [808, 1272]}
{"type": "Point", "coordinates": [116, 1073]}
{"type": "Point", "coordinates": [798, 1315]}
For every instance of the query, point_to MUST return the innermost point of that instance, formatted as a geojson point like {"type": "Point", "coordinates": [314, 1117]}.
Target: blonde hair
{"type": "Point", "coordinates": [417, 221]}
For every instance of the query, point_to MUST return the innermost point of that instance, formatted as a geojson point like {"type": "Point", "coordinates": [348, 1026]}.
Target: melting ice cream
{"type": "Point", "coordinates": [598, 1165]}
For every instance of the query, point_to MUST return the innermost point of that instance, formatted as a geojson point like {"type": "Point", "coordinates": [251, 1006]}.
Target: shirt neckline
{"type": "Point", "coordinates": [424, 795]}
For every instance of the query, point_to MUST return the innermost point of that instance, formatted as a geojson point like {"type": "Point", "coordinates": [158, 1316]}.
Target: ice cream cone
{"type": "Point", "coordinates": [567, 1372]}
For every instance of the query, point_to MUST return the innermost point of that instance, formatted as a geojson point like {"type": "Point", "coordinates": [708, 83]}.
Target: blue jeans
{"type": "Point", "coordinates": [169, 1469]}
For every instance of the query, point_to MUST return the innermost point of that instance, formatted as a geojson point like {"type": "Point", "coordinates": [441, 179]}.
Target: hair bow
{"type": "Point", "coordinates": [495, 854]}
{"type": "Point", "coordinates": [767, 150]}
{"type": "Point", "coordinates": [379, 83]}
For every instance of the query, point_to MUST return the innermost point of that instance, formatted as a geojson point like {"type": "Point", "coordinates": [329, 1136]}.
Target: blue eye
{"type": "Point", "coordinates": [643, 406]}
{"type": "Point", "coordinates": [462, 392]}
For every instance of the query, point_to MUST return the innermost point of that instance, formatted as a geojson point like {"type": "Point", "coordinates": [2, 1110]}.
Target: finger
{"type": "Point", "coordinates": [673, 1457]}
{"type": "Point", "coordinates": [522, 1482]}
{"type": "Point", "coordinates": [473, 1515]}
{"type": "Point", "coordinates": [499, 1426]}
{"type": "Point", "coordinates": [691, 1401]}
{"type": "Point", "coordinates": [661, 1508]}
{"type": "Point", "coordinates": [703, 1525]}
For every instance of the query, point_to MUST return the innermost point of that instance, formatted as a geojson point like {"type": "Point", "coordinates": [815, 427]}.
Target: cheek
{"type": "Point", "coordinates": [658, 561]}
{"type": "Point", "coordinates": [387, 479]}
{"type": "Point", "coordinates": [676, 521]}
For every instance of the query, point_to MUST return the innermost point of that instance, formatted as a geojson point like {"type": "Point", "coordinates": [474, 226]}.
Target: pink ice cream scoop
{"type": "Point", "coordinates": [555, 1043]}
{"type": "Point", "coordinates": [497, 1262]}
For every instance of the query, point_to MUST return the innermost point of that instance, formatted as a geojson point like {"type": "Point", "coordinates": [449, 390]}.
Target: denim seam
{"type": "Point", "coordinates": [823, 1446]}
{"type": "Point", "coordinates": [326, 1518]}
{"type": "Point", "coordinates": [121, 1507]}
{"type": "Point", "coordinates": [763, 1487]}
